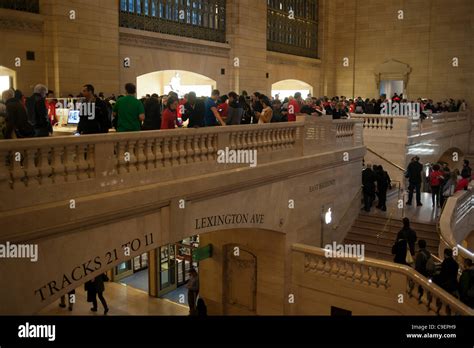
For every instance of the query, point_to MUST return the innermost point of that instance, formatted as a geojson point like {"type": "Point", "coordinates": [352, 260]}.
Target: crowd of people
{"type": "Point", "coordinates": [35, 116]}
{"type": "Point", "coordinates": [444, 275]}
{"type": "Point", "coordinates": [442, 182]}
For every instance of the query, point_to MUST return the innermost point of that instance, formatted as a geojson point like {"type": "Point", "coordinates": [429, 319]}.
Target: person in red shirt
{"type": "Point", "coordinates": [436, 179]}
{"type": "Point", "coordinates": [223, 107]}
{"type": "Point", "coordinates": [462, 184]}
{"type": "Point", "coordinates": [294, 107]}
{"type": "Point", "coordinates": [169, 115]}
{"type": "Point", "coordinates": [51, 106]}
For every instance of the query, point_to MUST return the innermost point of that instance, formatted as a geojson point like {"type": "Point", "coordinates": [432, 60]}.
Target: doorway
{"type": "Point", "coordinates": [240, 282]}
{"type": "Point", "coordinates": [390, 87]}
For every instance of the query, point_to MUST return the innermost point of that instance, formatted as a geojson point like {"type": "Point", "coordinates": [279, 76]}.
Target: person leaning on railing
{"type": "Point", "coordinates": [14, 117]}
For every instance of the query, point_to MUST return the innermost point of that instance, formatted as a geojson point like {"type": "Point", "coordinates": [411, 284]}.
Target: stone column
{"type": "Point", "coordinates": [81, 45]}
{"type": "Point", "coordinates": [247, 36]}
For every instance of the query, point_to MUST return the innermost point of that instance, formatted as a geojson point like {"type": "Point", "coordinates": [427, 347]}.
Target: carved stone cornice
{"type": "Point", "coordinates": [287, 59]}
{"type": "Point", "coordinates": [178, 44]}
{"type": "Point", "coordinates": [13, 24]}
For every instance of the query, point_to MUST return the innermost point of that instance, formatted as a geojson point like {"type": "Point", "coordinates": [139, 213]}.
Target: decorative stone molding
{"type": "Point", "coordinates": [287, 59]}
{"type": "Point", "coordinates": [392, 70]}
{"type": "Point", "coordinates": [14, 24]}
{"type": "Point", "coordinates": [174, 43]}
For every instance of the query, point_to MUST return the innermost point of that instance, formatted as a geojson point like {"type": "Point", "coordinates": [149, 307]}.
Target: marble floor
{"type": "Point", "coordinates": [424, 214]}
{"type": "Point", "coordinates": [122, 300]}
{"type": "Point", "coordinates": [138, 280]}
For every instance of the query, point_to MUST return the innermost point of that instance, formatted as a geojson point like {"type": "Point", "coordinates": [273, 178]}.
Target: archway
{"type": "Point", "coordinates": [392, 77]}
{"type": "Point", "coordinates": [286, 88]}
{"type": "Point", "coordinates": [180, 81]}
{"type": "Point", "coordinates": [453, 157]}
{"type": "Point", "coordinates": [7, 78]}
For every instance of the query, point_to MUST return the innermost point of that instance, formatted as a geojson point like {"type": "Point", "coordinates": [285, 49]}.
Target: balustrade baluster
{"type": "Point", "coordinates": [211, 146]}
{"type": "Point", "coordinates": [158, 151]}
{"type": "Point", "coordinates": [203, 147]}
{"type": "Point", "coordinates": [16, 162]}
{"type": "Point", "coordinates": [32, 170]}
{"type": "Point", "coordinates": [141, 157]}
{"type": "Point", "coordinates": [189, 149]}
{"type": "Point", "coordinates": [45, 174]}
{"type": "Point", "coordinates": [70, 164]}
{"type": "Point", "coordinates": [82, 165]}
{"type": "Point", "coordinates": [167, 152]}
{"type": "Point", "coordinates": [149, 157]}
{"type": "Point", "coordinates": [197, 149]}
{"type": "Point", "coordinates": [182, 149]}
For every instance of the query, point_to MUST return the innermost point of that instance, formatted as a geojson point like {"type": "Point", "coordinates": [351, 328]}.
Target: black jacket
{"type": "Point", "coordinates": [152, 115]}
{"type": "Point", "coordinates": [447, 278]}
{"type": "Point", "coordinates": [410, 236]}
{"type": "Point", "coordinates": [413, 172]}
{"type": "Point", "coordinates": [399, 249]}
{"type": "Point", "coordinates": [368, 179]}
{"type": "Point", "coordinates": [38, 113]}
{"type": "Point", "coordinates": [383, 180]}
{"type": "Point", "coordinates": [236, 111]}
{"type": "Point", "coordinates": [195, 114]}
{"type": "Point", "coordinates": [17, 120]}
{"type": "Point", "coordinates": [96, 123]}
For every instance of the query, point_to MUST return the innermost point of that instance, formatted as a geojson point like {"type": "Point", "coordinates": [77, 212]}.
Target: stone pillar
{"type": "Point", "coordinates": [247, 36]}
{"type": "Point", "coordinates": [81, 45]}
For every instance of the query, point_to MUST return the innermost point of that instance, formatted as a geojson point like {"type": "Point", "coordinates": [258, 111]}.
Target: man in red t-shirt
{"type": "Point", "coordinates": [294, 107]}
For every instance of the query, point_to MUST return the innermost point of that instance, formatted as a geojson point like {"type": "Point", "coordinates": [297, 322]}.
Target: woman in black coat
{"type": "Point", "coordinates": [399, 249]}
{"type": "Point", "coordinates": [96, 288]}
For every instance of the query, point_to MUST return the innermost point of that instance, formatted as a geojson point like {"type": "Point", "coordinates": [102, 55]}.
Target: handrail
{"type": "Point", "coordinates": [451, 242]}
{"type": "Point", "coordinates": [379, 235]}
{"type": "Point", "coordinates": [335, 227]}
{"type": "Point", "coordinates": [379, 273]}
{"type": "Point", "coordinates": [385, 159]}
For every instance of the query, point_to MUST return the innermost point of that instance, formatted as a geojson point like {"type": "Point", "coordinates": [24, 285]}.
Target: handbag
{"type": "Point", "coordinates": [409, 259]}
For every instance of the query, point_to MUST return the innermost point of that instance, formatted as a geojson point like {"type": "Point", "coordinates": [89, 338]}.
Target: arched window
{"type": "Point", "coordinates": [292, 27]}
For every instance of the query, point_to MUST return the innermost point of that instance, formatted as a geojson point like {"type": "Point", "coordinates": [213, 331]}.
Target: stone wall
{"type": "Point", "coordinates": [431, 34]}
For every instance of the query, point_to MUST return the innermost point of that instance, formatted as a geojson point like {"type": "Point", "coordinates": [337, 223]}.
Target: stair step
{"type": "Point", "coordinates": [366, 227]}
{"type": "Point", "coordinates": [391, 235]}
{"type": "Point", "coordinates": [384, 239]}
{"type": "Point", "coordinates": [378, 220]}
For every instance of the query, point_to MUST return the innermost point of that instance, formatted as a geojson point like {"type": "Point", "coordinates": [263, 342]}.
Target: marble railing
{"type": "Point", "coordinates": [456, 223]}
{"type": "Point", "coordinates": [414, 126]}
{"type": "Point", "coordinates": [440, 122]}
{"type": "Point", "coordinates": [41, 170]}
{"type": "Point", "coordinates": [381, 122]}
{"type": "Point", "coordinates": [381, 282]}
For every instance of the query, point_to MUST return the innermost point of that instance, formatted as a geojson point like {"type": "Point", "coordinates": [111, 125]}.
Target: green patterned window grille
{"type": "Point", "coordinates": [199, 19]}
{"type": "Point", "coordinates": [292, 27]}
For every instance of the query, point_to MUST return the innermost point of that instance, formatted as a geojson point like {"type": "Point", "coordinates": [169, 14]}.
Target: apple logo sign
{"type": "Point", "coordinates": [328, 217]}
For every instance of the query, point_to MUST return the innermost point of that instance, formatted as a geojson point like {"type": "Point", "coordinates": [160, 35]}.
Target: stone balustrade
{"type": "Point", "coordinates": [413, 126]}
{"type": "Point", "coordinates": [446, 121]}
{"type": "Point", "coordinates": [42, 170]}
{"type": "Point", "coordinates": [350, 278]}
{"type": "Point", "coordinates": [456, 223]}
